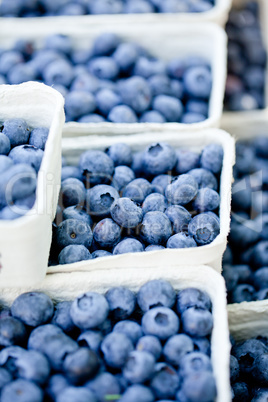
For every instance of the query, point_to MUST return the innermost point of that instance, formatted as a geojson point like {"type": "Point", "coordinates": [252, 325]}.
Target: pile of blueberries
{"type": "Point", "coordinates": [116, 201]}
{"type": "Point", "coordinates": [40, 8]}
{"type": "Point", "coordinates": [245, 263]}
{"type": "Point", "coordinates": [153, 346]}
{"type": "Point", "coordinates": [249, 370]}
{"type": "Point", "coordinates": [247, 57]}
{"type": "Point", "coordinates": [113, 80]}
{"type": "Point", "coordinates": [21, 154]}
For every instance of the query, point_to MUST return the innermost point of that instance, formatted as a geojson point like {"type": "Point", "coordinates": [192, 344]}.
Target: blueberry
{"type": "Point", "coordinates": [204, 178]}
{"type": "Point", "coordinates": [75, 212]}
{"type": "Point", "coordinates": [129, 328]}
{"type": "Point", "coordinates": [139, 393]}
{"type": "Point", "coordinates": [78, 394]}
{"type": "Point", "coordinates": [197, 106]}
{"type": "Point", "coordinates": [139, 367]}
{"type": "Point", "coordinates": [12, 332]}
{"type": "Point", "coordinates": [106, 43]}
{"type": "Point", "coordinates": [126, 213]}
{"type": "Point", "coordinates": [125, 55]}
{"type": "Point", "coordinates": [5, 163]}
{"type": "Point", "coordinates": [240, 390]}
{"type": "Point", "coordinates": [194, 362]}
{"type": "Point", "coordinates": [206, 200]}
{"type": "Point", "coordinates": [181, 190]}
{"type": "Point", "coordinates": [100, 253]}
{"type": "Point", "coordinates": [120, 153]}
{"type": "Point", "coordinates": [9, 59]}
{"type": "Point", "coordinates": [122, 176]}
{"type": "Point", "coordinates": [150, 344]}
{"type": "Point", "coordinates": [90, 339]}
{"type": "Point", "coordinates": [260, 254]}
{"type": "Point", "coordinates": [71, 172]}
{"type": "Point", "coordinates": [230, 277]}
{"type": "Point", "coordinates": [155, 228]}
{"type": "Point", "coordinates": [181, 240]}
{"type": "Point", "coordinates": [198, 82]}
{"type": "Point", "coordinates": [96, 167]}
{"type": "Point", "coordinates": [260, 395]}
{"type": "Point", "coordinates": [154, 202]}
{"type": "Point", "coordinates": [179, 217]}
{"type": "Point", "coordinates": [160, 84]}
{"type": "Point", "coordinates": [62, 316]}
{"type": "Point", "coordinates": [81, 365]}
{"type": "Point", "coordinates": [79, 103]}
{"type": "Point", "coordinates": [161, 322]}
{"type": "Point", "coordinates": [199, 387]}
{"type": "Point", "coordinates": [21, 73]}
{"type": "Point", "coordinates": [204, 228]}
{"type": "Point", "coordinates": [40, 335]}
{"type": "Point", "coordinates": [165, 381]}
{"type": "Point", "coordinates": [107, 233]}
{"type": "Point", "coordinates": [202, 344]}
{"type": "Point", "coordinates": [38, 137]}
{"type": "Point", "coordinates": [60, 43]}
{"type": "Point", "coordinates": [122, 114]}
{"type": "Point", "coordinates": [212, 157]}
{"type": "Point", "coordinates": [85, 82]}
{"type": "Point", "coordinates": [16, 130]}
{"type": "Point", "coordinates": [247, 352]}
{"type": "Point", "coordinates": [197, 322]}
{"type": "Point", "coordinates": [170, 107]}
{"type": "Point", "coordinates": [234, 369]}
{"type": "Point", "coordinates": [156, 293]}
{"type": "Point", "coordinates": [32, 366]}
{"type": "Point", "coordinates": [152, 117]}
{"type": "Point", "coordinates": [91, 118]}
{"type": "Point", "coordinates": [5, 377]}
{"type": "Point", "coordinates": [158, 158]}
{"type": "Point", "coordinates": [176, 347]}
{"type": "Point", "coordinates": [33, 308]}
{"type": "Point", "coordinates": [73, 192]}
{"type": "Point", "coordinates": [105, 386]}
{"type": "Point", "coordinates": [56, 384]}
{"type": "Point", "coordinates": [89, 310]}
{"type": "Point", "coordinates": [160, 183]}
{"type": "Point", "coordinates": [73, 231]}
{"type": "Point", "coordinates": [260, 278]}
{"type": "Point", "coordinates": [243, 293]}
{"type": "Point", "coordinates": [191, 118]}
{"type": "Point", "coordinates": [104, 68]}
{"type": "Point", "coordinates": [121, 302]}
{"type": "Point", "coordinates": [154, 247]}
{"type": "Point", "coordinates": [27, 154]}
{"type": "Point", "coordinates": [58, 72]}
{"type": "Point", "coordinates": [21, 390]}
{"type": "Point", "coordinates": [137, 190]}
{"type": "Point", "coordinates": [4, 144]}
{"type": "Point", "coordinates": [74, 253]}
{"type": "Point", "coordinates": [106, 100]}
{"type": "Point", "coordinates": [116, 348]}
{"type": "Point", "coordinates": [128, 245]}
{"type": "Point", "coordinates": [186, 160]}
{"type": "Point", "coordinates": [147, 67]}
{"type": "Point", "coordinates": [136, 93]}
{"type": "Point", "coordinates": [100, 199]}
{"type": "Point", "coordinates": [138, 7]}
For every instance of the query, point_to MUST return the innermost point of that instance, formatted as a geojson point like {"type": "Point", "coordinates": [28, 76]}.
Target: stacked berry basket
{"type": "Point", "coordinates": [114, 283]}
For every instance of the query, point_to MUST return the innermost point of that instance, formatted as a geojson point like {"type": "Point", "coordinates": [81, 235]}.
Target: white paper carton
{"type": "Point", "coordinates": [217, 14]}
{"type": "Point", "coordinates": [67, 286]}
{"type": "Point", "coordinates": [210, 254]}
{"type": "Point", "coordinates": [230, 118]}
{"type": "Point", "coordinates": [25, 242]}
{"type": "Point", "coordinates": [164, 40]}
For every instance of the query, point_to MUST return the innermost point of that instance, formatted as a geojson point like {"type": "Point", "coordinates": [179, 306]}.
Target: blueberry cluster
{"type": "Point", "coordinates": [245, 263]}
{"type": "Point", "coordinates": [40, 8]}
{"type": "Point", "coordinates": [21, 154]}
{"type": "Point", "coordinates": [118, 201]}
{"type": "Point", "coordinates": [119, 347]}
{"type": "Point", "coordinates": [113, 80]}
{"type": "Point", "coordinates": [249, 370]}
{"type": "Point", "coordinates": [245, 88]}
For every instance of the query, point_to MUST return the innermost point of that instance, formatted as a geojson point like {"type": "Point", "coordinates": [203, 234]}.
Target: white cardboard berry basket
{"type": "Point", "coordinates": [163, 40]}
{"type": "Point", "coordinates": [68, 285]}
{"type": "Point", "coordinates": [232, 119]}
{"type": "Point", "coordinates": [25, 242]}
{"type": "Point", "coordinates": [217, 14]}
{"type": "Point", "coordinates": [210, 254]}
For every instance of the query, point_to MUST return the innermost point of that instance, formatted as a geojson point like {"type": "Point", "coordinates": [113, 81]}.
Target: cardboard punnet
{"type": "Point", "coordinates": [25, 242]}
